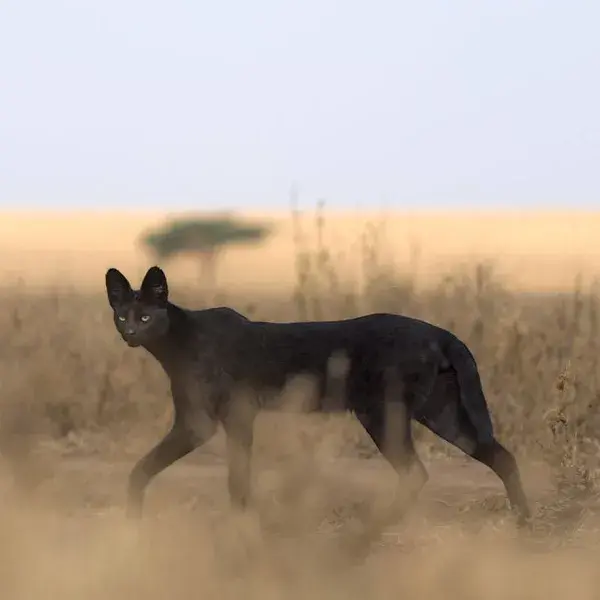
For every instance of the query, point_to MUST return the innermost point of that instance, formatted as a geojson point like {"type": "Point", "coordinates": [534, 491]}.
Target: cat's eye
{"type": "Point", "coordinates": [145, 318]}
{"type": "Point", "coordinates": [122, 319]}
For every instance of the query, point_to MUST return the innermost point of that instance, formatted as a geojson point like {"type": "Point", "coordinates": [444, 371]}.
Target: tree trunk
{"type": "Point", "coordinates": [208, 270]}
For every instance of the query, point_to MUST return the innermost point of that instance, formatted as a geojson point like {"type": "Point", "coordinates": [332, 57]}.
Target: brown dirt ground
{"type": "Point", "coordinates": [68, 538]}
{"type": "Point", "coordinates": [199, 482]}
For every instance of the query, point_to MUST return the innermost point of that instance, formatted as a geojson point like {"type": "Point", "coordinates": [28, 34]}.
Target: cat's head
{"type": "Point", "coordinates": [141, 316]}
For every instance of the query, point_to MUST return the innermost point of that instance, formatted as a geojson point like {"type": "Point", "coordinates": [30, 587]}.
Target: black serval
{"type": "Point", "coordinates": [392, 361]}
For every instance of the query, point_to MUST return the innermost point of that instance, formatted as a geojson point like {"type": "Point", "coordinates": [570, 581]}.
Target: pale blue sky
{"type": "Point", "coordinates": [189, 103]}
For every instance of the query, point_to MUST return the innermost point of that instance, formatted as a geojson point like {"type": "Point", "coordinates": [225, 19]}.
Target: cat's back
{"type": "Point", "coordinates": [219, 327]}
{"type": "Point", "coordinates": [218, 316]}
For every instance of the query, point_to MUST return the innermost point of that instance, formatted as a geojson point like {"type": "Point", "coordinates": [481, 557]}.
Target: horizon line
{"type": "Point", "coordinates": [487, 210]}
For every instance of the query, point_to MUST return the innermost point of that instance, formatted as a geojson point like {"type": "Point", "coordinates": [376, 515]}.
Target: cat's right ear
{"type": "Point", "coordinates": [118, 288]}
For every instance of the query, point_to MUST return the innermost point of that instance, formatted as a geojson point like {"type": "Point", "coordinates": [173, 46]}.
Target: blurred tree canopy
{"type": "Point", "coordinates": [205, 238]}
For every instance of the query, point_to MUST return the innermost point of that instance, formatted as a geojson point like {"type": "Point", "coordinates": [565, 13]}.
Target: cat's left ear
{"type": "Point", "coordinates": [154, 287]}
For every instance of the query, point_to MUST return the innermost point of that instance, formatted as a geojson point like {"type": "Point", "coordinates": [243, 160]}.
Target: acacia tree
{"type": "Point", "coordinates": [203, 238]}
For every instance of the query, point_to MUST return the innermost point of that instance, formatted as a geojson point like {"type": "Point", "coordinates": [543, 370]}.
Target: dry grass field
{"type": "Point", "coordinates": [78, 407]}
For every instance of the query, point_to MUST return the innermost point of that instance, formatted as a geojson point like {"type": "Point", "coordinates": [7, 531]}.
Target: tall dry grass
{"type": "Point", "coordinates": [66, 375]}
{"type": "Point", "coordinates": [69, 386]}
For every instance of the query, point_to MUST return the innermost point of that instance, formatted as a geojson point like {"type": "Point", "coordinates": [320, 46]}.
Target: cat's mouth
{"type": "Point", "coordinates": [132, 343]}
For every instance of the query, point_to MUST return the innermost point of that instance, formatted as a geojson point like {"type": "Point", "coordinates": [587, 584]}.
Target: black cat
{"type": "Point", "coordinates": [224, 368]}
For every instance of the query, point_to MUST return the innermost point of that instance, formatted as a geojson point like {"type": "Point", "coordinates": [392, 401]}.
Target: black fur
{"type": "Point", "coordinates": [224, 368]}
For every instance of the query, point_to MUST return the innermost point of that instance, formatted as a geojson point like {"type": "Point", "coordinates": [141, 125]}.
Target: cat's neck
{"type": "Point", "coordinates": [169, 350]}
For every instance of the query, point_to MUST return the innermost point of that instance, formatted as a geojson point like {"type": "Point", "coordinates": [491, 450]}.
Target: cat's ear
{"type": "Point", "coordinates": [154, 287]}
{"type": "Point", "coordinates": [117, 287]}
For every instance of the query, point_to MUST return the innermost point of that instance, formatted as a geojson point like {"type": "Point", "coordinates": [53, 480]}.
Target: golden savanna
{"type": "Point", "coordinates": [532, 250]}
{"type": "Point", "coordinates": [78, 408]}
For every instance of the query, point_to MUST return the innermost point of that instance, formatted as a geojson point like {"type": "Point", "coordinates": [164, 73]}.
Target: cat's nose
{"type": "Point", "coordinates": [129, 331]}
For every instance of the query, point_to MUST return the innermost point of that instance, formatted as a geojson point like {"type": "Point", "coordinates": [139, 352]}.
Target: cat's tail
{"type": "Point", "coordinates": [471, 390]}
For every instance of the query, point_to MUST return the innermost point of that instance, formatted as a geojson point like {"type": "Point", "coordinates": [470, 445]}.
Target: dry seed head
{"type": "Point", "coordinates": [564, 377]}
